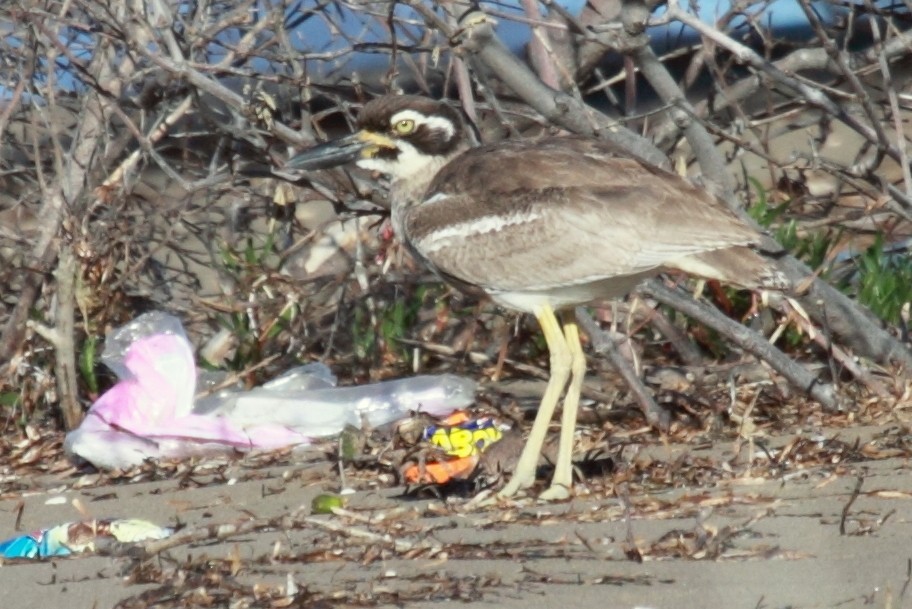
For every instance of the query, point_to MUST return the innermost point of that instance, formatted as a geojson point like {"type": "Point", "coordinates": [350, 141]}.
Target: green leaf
{"type": "Point", "coordinates": [87, 360]}
{"type": "Point", "coordinates": [324, 504]}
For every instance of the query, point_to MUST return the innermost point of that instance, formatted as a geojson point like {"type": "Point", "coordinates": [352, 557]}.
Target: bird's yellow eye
{"type": "Point", "coordinates": [405, 126]}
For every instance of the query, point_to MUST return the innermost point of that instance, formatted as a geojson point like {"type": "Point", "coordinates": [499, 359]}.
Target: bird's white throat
{"type": "Point", "coordinates": [410, 173]}
{"type": "Point", "coordinates": [410, 165]}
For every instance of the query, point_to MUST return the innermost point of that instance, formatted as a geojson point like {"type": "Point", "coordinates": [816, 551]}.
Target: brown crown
{"type": "Point", "coordinates": [377, 113]}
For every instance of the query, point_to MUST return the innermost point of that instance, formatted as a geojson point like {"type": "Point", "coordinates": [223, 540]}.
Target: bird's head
{"type": "Point", "coordinates": [404, 136]}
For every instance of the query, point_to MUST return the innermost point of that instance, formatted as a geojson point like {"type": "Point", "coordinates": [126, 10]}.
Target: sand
{"type": "Point", "coordinates": [796, 536]}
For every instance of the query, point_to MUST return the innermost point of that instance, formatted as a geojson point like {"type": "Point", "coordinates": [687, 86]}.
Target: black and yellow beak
{"type": "Point", "coordinates": [354, 147]}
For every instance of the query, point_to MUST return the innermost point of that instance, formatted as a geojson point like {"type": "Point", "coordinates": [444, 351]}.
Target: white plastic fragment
{"type": "Point", "coordinates": [151, 412]}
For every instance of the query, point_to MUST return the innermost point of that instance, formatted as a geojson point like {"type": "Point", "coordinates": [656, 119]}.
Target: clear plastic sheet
{"type": "Point", "coordinates": [151, 412]}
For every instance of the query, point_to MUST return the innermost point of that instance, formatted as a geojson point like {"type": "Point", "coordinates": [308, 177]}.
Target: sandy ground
{"type": "Point", "coordinates": [743, 542]}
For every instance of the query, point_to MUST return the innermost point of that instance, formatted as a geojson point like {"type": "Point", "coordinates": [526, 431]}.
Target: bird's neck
{"type": "Point", "coordinates": [408, 190]}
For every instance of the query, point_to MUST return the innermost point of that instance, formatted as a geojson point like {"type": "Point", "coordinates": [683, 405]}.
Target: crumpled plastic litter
{"type": "Point", "coordinates": [459, 441]}
{"type": "Point", "coordinates": [460, 436]}
{"type": "Point", "coordinates": [78, 537]}
{"type": "Point", "coordinates": [151, 412]}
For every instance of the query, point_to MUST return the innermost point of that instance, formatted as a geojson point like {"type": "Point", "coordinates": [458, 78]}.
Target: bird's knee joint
{"type": "Point", "coordinates": [561, 359]}
{"type": "Point", "coordinates": [578, 366]}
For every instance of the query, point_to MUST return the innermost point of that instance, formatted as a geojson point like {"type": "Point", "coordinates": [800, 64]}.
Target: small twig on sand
{"type": "Point", "coordinates": [219, 532]}
{"type": "Point", "coordinates": [845, 510]}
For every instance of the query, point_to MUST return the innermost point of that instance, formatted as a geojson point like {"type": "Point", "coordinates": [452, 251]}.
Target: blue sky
{"type": "Point", "coordinates": [785, 17]}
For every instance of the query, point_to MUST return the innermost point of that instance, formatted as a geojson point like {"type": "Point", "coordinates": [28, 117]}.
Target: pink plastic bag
{"type": "Point", "coordinates": [151, 412]}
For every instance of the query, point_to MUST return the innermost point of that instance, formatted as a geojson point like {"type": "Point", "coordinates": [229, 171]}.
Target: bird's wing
{"type": "Point", "coordinates": [562, 211]}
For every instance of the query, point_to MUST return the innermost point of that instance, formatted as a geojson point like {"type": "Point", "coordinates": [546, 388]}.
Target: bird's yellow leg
{"type": "Point", "coordinates": [563, 469]}
{"type": "Point", "coordinates": [561, 358]}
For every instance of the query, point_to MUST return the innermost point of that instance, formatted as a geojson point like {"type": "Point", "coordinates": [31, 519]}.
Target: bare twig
{"type": "Point", "coordinates": [856, 491]}
{"type": "Point", "coordinates": [893, 98]}
{"type": "Point", "coordinates": [604, 345]}
{"type": "Point", "coordinates": [476, 36]}
{"type": "Point", "coordinates": [747, 339]}
{"type": "Point", "coordinates": [71, 183]}
{"type": "Point", "coordinates": [219, 532]}
{"type": "Point", "coordinates": [849, 322]}
{"type": "Point", "coordinates": [806, 91]}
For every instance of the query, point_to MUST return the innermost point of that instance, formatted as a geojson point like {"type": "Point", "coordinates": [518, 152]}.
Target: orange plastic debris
{"type": "Point", "coordinates": [441, 472]}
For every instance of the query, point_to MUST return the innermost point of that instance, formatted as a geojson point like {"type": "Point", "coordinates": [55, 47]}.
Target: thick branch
{"type": "Point", "coordinates": [846, 318]}
{"type": "Point", "coordinates": [745, 338]}
{"type": "Point", "coordinates": [814, 96]}
{"type": "Point", "coordinates": [477, 38]}
{"type": "Point", "coordinates": [802, 60]}
{"type": "Point", "coordinates": [67, 190]}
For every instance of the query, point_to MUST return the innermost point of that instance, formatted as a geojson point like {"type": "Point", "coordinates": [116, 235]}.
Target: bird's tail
{"type": "Point", "coordinates": [739, 265]}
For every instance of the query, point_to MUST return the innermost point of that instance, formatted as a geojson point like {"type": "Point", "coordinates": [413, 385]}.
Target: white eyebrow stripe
{"type": "Point", "coordinates": [433, 122]}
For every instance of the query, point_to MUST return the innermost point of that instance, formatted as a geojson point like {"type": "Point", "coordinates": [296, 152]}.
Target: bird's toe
{"type": "Point", "coordinates": [555, 492]}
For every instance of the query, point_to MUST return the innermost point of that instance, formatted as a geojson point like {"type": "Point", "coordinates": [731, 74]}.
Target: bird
{"type": "Point", "coordinates": [541, 226]}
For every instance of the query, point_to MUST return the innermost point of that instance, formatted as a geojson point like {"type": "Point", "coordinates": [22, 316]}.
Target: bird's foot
{"type": "Point", "coordinates": [483, 499]}
{"type": "Point", "coordinates": [514, 492]}
{"type": "Point", "coordinates": [513, 487]}
{"type": "Point", "coordinates": [488, 498]}
{"type": "Point", "coordinates": [555, 492]}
